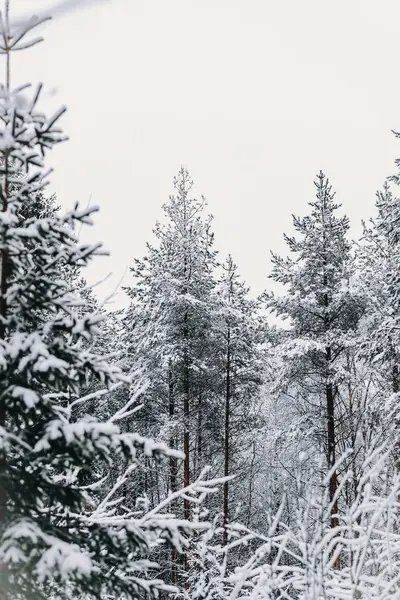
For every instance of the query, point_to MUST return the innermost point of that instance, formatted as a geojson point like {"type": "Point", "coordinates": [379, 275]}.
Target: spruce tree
{"type": "Point", "coordinates": [50, 539]}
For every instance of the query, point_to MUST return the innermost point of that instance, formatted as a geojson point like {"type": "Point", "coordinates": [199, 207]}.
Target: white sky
{"type": "Point", "coordinates": [254, 96]}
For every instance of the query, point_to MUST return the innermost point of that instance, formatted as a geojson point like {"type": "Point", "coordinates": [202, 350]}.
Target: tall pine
{"type": "Point", "coordinates": [323, 315]}
{"type": "Point", "coordinates": [167, 332]}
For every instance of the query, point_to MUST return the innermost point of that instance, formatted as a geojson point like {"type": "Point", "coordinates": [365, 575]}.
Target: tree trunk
{"type": "Point", "coordinates": [172, 441]}
{"type": "Point", "coordinates": [395, 377]}
{"type": "Point", "coordinates": [186, 416]}
{"type": "Point", "coordinates": [3, 416]}
{"type": "Point", "coordinates": [251, 476]}
{"type": "Point", "coordinates": [330, 403]}
{"type": "Point", "coordinates": [172, 462]}
{"type": "Point", "coordinates": [333, 481]}
{"type": "Point", "coordinates": [199, 442]}
{"type": "Point", "coordinates": [186, 434]}
{"type": "Point", "coordinates": [226, 440]}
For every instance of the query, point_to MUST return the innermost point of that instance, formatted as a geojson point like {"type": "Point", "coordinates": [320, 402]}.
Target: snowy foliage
{"type": "Point", "coordinates": [52, 536]}
{"type": "Point", "coordinates": [184, 447]}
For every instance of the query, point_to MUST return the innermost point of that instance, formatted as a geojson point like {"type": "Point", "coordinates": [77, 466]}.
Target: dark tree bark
{"type": "Point", "coordinates": [330, 402]}
{"type": "Point", "coordinates": [226, 436]}
{"type": "Point", "coordinates": [172, 441]}
{"type": "Point", "coordinates": [199, 442]}
{"type": "Point", "coordinates": [330, 411]}
{"type": "Point", "coordinates": [186, 433]}
{"type": "Point", "coordinates": [172, 463]}
{"type": "Point", "coordinates": [3, 316]}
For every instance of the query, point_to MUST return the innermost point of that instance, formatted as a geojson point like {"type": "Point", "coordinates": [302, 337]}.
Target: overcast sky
{"type": "Point", "coordinates": [253, 96]}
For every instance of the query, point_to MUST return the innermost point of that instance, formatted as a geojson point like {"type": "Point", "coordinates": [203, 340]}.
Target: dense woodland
{"type": "Point", "coordinates": [204, 443]}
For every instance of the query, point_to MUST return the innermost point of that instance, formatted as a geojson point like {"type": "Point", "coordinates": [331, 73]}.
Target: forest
{"type": "Point", "coordinates": [204, 443]}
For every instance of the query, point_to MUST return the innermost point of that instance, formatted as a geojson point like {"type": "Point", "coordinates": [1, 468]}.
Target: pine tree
{"type": "Point", "coordinates": [323, 315]}
{"type": "Point", "coordinates": [170, 316]}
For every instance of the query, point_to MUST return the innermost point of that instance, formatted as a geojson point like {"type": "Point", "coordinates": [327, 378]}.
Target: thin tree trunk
{"type": "Point", "coordinates": [251, 475]}
{"type": "Point", "coordinates": [186, 435]}
{"type": "Point", "coordinates": [330, 408]}
{"type": "Point", "coordinates": [186, 416]}
{"type": "Point", "coordinates": [226, 440]}
{"type": "Point", "coordinates": [330, 404]}
{"type": "Point", "coordinates": [395, 377]}
{"type": "Point", "coordinates": [333, 481]}
{"type": "Point", "coordinates": [3, 316]}
{"type": "Point", "coordinates": [172, 462]}
{"type": "Point", "coordinates": [172, 441]}
{"type": "Point", "coordinates": [199, 433]}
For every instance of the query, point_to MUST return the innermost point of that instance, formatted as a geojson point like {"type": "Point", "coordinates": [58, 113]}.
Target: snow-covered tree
{"type": "Point", "coordinates": [51, 539]}
{"type": "Point", "coordinates": [168, 331]}
{"type": "Point", "coordinates": [378, 259]}
{"type": "Point", "coordinates": [323, 313]}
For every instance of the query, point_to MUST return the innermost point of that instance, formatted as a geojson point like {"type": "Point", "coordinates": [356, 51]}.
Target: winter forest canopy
{"type": "Point", "coordinates": [204, 443]}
